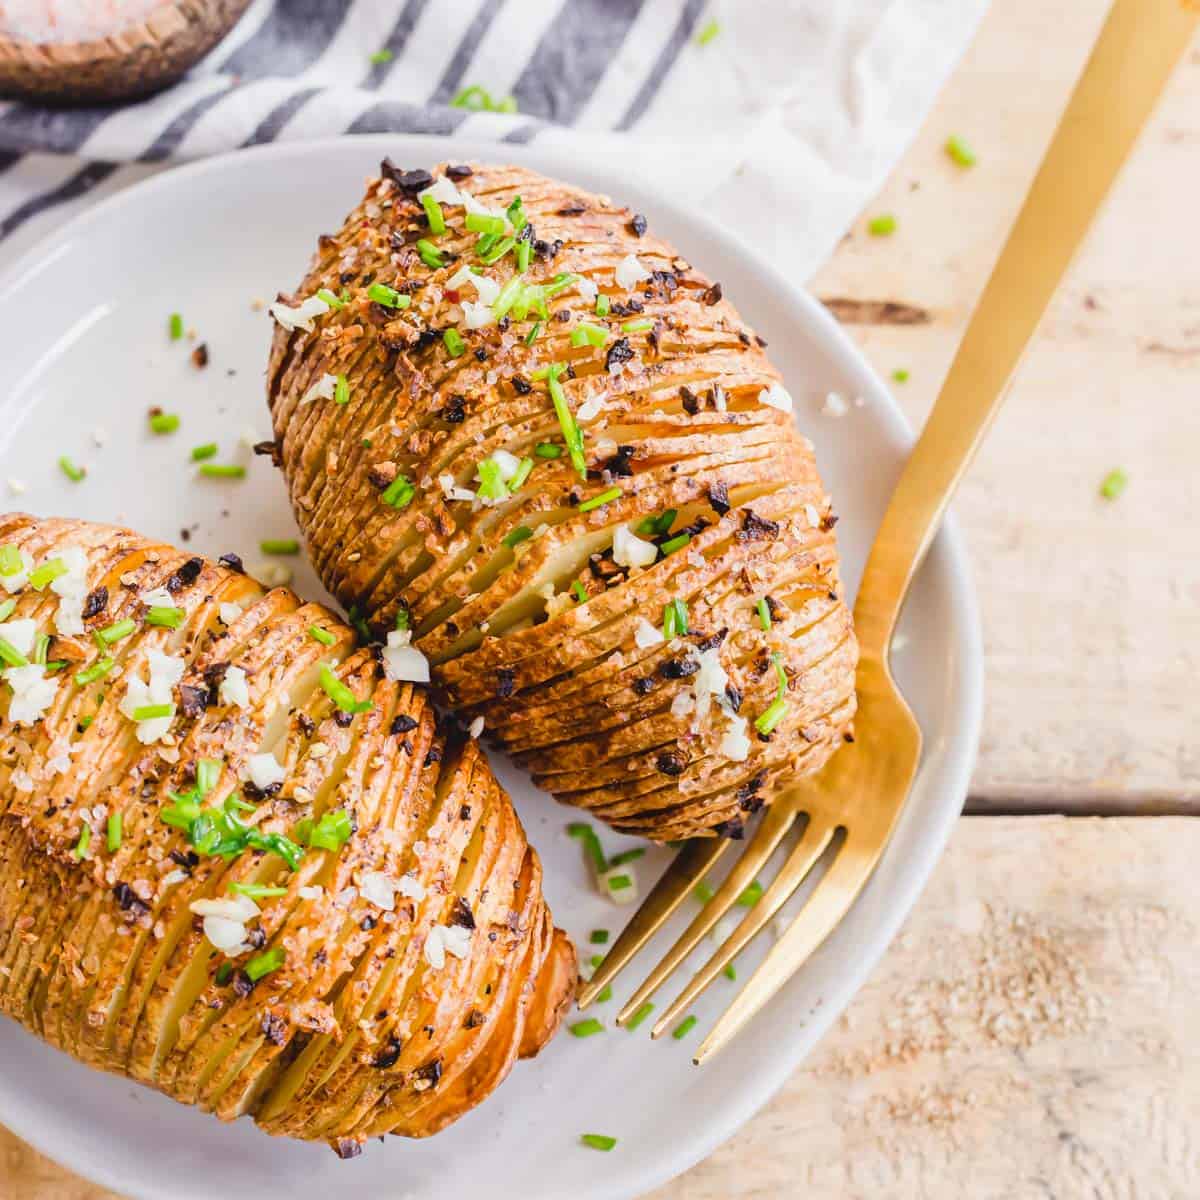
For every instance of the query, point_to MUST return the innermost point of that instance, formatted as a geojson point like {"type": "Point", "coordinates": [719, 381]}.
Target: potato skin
{"type": "Point", "coordinates": [541, 638]}
{"type": "Point", "coordinates": [357, 1034]}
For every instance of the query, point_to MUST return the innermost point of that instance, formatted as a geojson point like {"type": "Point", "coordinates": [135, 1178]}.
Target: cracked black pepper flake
{"type": "Point", "coordinates": [670, 763]}
{"type": "Point", "coordinates": [619, 352]}
{"type": "Point", "coordinates": [733, 694]}
{"type": "Point", "coordinates": [643, 686]}
{"type": "Point", "coordinates": [718, 497]}
{"type": "Point", "coordinates": [506, 682]}
{"type": "Point", "coordinates": [427, 1077]}
{"type": "Point", "coordinates": [200, 356]}
{"type": "Point", "coordinates": [620, 463]}
{"type": "Point", "coordinates": [233, 562]}
{"type": "Point", "coordinates": [712, 295]}
{"type": "Point", "coordinates": [129, 902]}
{"type": "Point", "coordinates": [434, 755]}
{"type": "Point", "coordinates": [521, 385]}
{"type": "Point", "coordinates": [274, 1029]}
{"type": "Point", "coordinates": [96, 603]}
{"type": "Point", "coordinates": [387, 1058]}
{"type": "Point", "coordinates": [193, 700]}
{"type": "Point", "coordinates": [637, 225]}
{"type": "Point", "coordinates": [459, 171]}
{"type": "Point", "coordinates": [461, 914]}
{"type": "Point", "coordinates": [734, 829]}
{"type": "Point", "coordinates": [186, 575]}
{"type": "Point", "coordinates": [346, 1148]}
{"type": "Point", "coordinates": [409, 182]}
{"type": "Point", "coordinates": [455, 410]}
{"type": "Point", "coordinates": [574, 209]}
{"type": "Point", "coordinates": [402, 723]}
{"type": "Point", "coordinates": [689, 400]}
{"type": "Point", "coordinates": [474, 1019]}
{"type": "Point", "coordinates": [755, 528]}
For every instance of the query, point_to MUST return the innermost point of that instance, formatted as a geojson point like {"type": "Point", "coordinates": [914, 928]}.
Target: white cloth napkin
{"type": "Point", "coordinates": [783, 122]}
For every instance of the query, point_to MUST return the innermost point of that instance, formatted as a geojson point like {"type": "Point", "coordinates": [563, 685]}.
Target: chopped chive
{"type": "Point", "coordinates": [683, 1028]}
{"type": "Point", "coordinates": [81, 846]}
{"type": "Point", "coordinates": [506, 298]}
{"type": "Point", "coordinates": [588, 1028]}
{"type": "Point", "coordinates": [638, 326]}
{"type": "Point", "coordinates": [566, 420]}
{"type": "Point", "coordinates": [959, 151]}
{"type": "Point", "coordinates": [85, 724]}
{"type": "Point", "coordinates": [675, 543]}
{"type": "Point", "coordinates": [588, 335]}
{"type": "Point", "coordinates": [581, 831]}
{"type": "Point", "coordinates": [603, 498]}
{"type": "Point", "coordinates": [6, 609]}
{"type": "Point", "coordinates": [534, 330]}
{"type": "Point", "coordinates": [222, 471]}
{"type": "Point", "coordinates": [524, 254]}
{"type": "Point", "coordinates": [602, 305]}
{"type": "Point", "coordinates": [764, 613]}
{"type": "Point", "coordinates": [175, 326]}
{"type": "Point", "coordinates": [656, 526]}
{"type": "Point", "coordinates": [639, 1016]}
{"type": "Point", "coordinates": [703, 891]}
{"type": "Point", "coordinates": [560, 283]}
{"type": "Point", "coordinates": [518, 535]}
{"type": "Point", "coordinates": [675, 619]}
{"type": "Point", "coordinates": [115, 632]}
{"type": "Point", "coordinates": [484, 223]}
{"type": "Point", "coordinates": [162, 614]}
{"type": "Point", "coordinates": [153, 712]}
{"type": "Point", "coordinates": [279, 546]}
{"type": "Point", "coordinates": [380, 57]}
{"type": "Point", "coordinates": [164, 422]}
{"type": "Point", "coordinates": [321, 635]}
{"type": "Point", "coordinates": [47, 573]}
{"type": "Point", "coordinates": [1115, 482]}
{"type": "Point", "coordinates": [627, 856]}
{"type": "Point", "coordinates": [730, 972]}
{"type": "Point", "coordinates": [41, 644]}
{"type": "Point", "coordinates": [491, 482]}
{"type": "Point", "coordinates": [380, 293]}
{"type": "Point", "coordinates": [263, 964]}
{"type": "Point", "coordinates": [256, 891]}
{"type": "Point", "coordinates": [340, 694]}
{"type": "Point", "coordinates": [710, 31]}
{"type": "Point", "coordinates": [547, 450]}
{"type": "Point", "coordinates": [433, 210]}
{"type": "Point", "coordinates": [579, 592]}
{"type": "Point", "coordinates": [70, 470]}
{"type": "Point", "coordinates": [498, 251]}
{"type": "Point", "coordinates": [114, 831]}
{"type": "Point", "coordinates": [341, 390]}
{"type": "Point", "coordinates": [454, 343]}
{"type": "Point", "coordinates": [224, 974]}
{"type": "Point", "coordinates": [97, 670]}
{"type": "Point", "coordinates": [516, 214]}
{"type": "Point", "coordinates": [208, 773]}
{"type": "Point", "coordinates": [882, 226]}
{"type": "Point", "coordinates": [332, 831]}
{"type": "Point", "coordinates": [598, 1141]}
{"type": "Point", "coordinates": [330, 299]}
{"type": "Point", "coordinates": [431, 256]}
{"type": "Point", "coordinates": [619, 883]}
{"type": "Point", "coordinates": [598, 937]}
{"type": "Point", "coordinates": [486, 242]}
{"type": "Point", "coordinates": [771, 716]}
{"type": "Point", "coordinates": [399, 493]}
{"type": "Point", "coordinates": [900, 375]}
{"type": "Point", "coordinates": [403, 618]}
{"type": "Point", "coordinates": [751, 896]}
{"type": "Point", "coordinates": [10, 655]}
{"type": "Point", "coordinates": [596, 960]}
{"type": "Point", "coordinates": [605, 994]}
{"type": "Point", "coordinates": [200, 453]}
{"type": "Point", "coordinates": [59, 664]}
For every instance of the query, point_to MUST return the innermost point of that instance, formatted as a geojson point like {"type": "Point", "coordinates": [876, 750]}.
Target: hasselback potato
{"type": "Point", "coordinates": [512, 415]}
{"type": "Point", "coordinates": [239, 861]}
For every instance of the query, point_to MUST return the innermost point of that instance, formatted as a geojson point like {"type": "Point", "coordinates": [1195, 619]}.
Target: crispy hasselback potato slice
{"type": "Point", "coordinates": [535, 429]}
{"type": "Point", "coordinates": [240, 864]}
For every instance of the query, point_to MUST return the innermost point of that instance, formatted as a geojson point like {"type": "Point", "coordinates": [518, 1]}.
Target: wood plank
{"type": "Point", "coordinates": [1090, 608]}
{"type": "Point", "coordinates": [1031, 1032]}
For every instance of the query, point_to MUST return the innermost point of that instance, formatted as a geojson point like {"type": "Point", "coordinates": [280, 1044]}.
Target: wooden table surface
{"type": "Point", "coordinates": [1028, 1034]}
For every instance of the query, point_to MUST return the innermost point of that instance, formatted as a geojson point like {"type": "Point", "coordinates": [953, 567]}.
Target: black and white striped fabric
{"type": "Point", "coordinates": [801, 104]}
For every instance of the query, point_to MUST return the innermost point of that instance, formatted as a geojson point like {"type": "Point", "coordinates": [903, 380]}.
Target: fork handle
{"type": "Point", "coordinates": [1127, 70]}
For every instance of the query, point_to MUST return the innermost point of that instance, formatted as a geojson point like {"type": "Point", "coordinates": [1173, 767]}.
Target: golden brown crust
{"type": "Point", "coordinates": [541, 638]}
{"type": "Point", "coordinates": [363, 1029]}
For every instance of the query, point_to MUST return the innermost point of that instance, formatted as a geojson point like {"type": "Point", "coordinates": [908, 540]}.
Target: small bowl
{"type": "Point", "coordinates": [142, 58]}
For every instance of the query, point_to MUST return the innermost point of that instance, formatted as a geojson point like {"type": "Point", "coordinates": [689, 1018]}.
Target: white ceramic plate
{"type": "Point", "coordinates": [84, 348]}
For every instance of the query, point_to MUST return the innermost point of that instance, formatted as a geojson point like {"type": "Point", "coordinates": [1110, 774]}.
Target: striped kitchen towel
{"type": "Point", "coordinates": [793, 110]}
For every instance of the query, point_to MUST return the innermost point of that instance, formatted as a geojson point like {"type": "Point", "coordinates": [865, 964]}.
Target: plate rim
{"type": "Point", "coordinates": [961, 747]}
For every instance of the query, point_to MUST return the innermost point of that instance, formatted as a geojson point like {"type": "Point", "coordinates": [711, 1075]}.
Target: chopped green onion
{"type": "Point", "coordinates": [605, 994]}
{"type": "Point", "coordinates": [638, 326]}
{"type": "Point", "coordinates": [6, 609]}
{"type": "Point", "coordinates": [900, 375]}
{"type": "Point", "coordinates": [639, 1016]}
{"type": "Point", "coordinates": [332, 831]}
{"type": "Point", "coordinates": [431, 256]}
{"type": "Point", "coordinates": [380, 57]}
{"type": "Point", "coordinates": [579, 592]}
{"type": "Point", "coordinates": [534, 330]}
{"type": "Point", "coordinates": [583, 832]}
{"type": "Point", "coordinates": [224, 974]}
{"type": "Point", "coordinates": [256, 891]}
{"type": "Point", "coordinates": [771, 717]}
{"type": "Point", "coordinates": [380, 293]}
{"type": "Point", "coordinates": [321, 635]}
{"type": "Point", "coordinates": [730, 972]}
{"type": "Point", "coordinates": [516, 214]}
{"type": "Point", "coordinates": [486, 242]}
{"type": "Point", "coordinates": [164, 422]}
{"type": "Point", "coordinates": [675, 543]}
{"type": "Point", "coordinates": [70, 470]}
{"type": "Point", "coordinates": [506, 298]}
{"type": "Point", "coordinates": [59, 664]}
{"type": "Point", "coordinates": [627, 856]}
{"type": "Point", "coordinates": [477, 99]}
{"type": "Point", "coordinates": [547, 450]}
{"type": "Point", "coordinates": [11, 562]}
{"type": "Point", "coordinates": [161, 614]}
{"type": "Point", "coordinates": [114, 831]}
{"type": "Point", "coordinates": [81, 846]}
{"type": "Point", "coordinates": [540, 373]}
{"type": "Point", "coordinates": [263, 964]}
{"type": "Point", "coordinates": [330, 299]}
{"type": "Point", "coordinates": [497, 252]}
{"type": "Point", "coordinates": [588, 1028]}
{"type": "Point", "coordinates": [683, 1028]}
{"type": "Point", "coordinates": [598, 937]}
{"type": "Point", "coordinates": [491, 482]}
{"type": "Point", "coordinates": [703, 891]}
{"type": "Point", "coordinates": [598, 1141]}
{"type": "Point", "coordinates": [403, 620]}
{"type": "Point", "coordinates": [279, 546]}
{"type": "Point", "coordinates": [454, 343]}
{"type": "Point", "coordinates": [208, 773]}
{"type": "Point", "coordinates": [85, 724]}
{"type": "Point", "coordinates": [41, 644]}
{"type": "Point", "coordinates": [596, 960]}
{"type": "Point", "coordinates": [340, 694]}
{"type": "Point", "coordinates": [675, 619]}
{"type": "Point", "coordinates": [560, 283]}
{"type": "Point", "coordinates": [152, 712]}
{"type": "Point", "coordinates": [200, 453]}
{"type": "Point", "coordinates": [764, 613]}
{"type": "Point", "coordinates": [517, 536]}
{"type": "Point", "coordinates": [603, 498]}
{"type": "Point", "coordinates": [222, 471]}
{"type": "Point", "coordinates": [1115, 482]}
{"type": "Point", "coordinates": [341, 390]}
{"type": "Point", "coordinates": [175, 326]}
{"type": "Point", "coordinates": [566, 420]}
{"type": "Point", "coordinates": [400, 492]}
{"type": "Point", "coordinates": [47, 573]}
{"type": "Point", "coordinates": [524, 254]}
{"type": "Point", "coordinates": [959, 151]}
{"type": "Point", "coordinates": [751, 896]}
{"type": "Point", "coordinates": [709, 32]}
{"type": "Point", "coordinates": [10, 655]}
{"type": "Point", "coordinates": [433, 210]}
{"type": "Point", "coordinates": [588, 335]}
{"type": "Point", "coordinates": [656, 526]}
{"type": "Point", "coordinates": [602, 305]}
{"type": "Point", "coordinates": [477, 222]}
{"type": "Point", "coordinates": [115, 632]}
{"type": "Point", "coordinates": [882, 226]}
{"type": "Point", "coordinates": [780, 674]}
{"type": "Point", "coordinates": [619, 883]}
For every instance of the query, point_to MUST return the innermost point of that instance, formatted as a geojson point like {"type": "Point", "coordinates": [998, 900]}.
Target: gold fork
{"type": "Point", "coordinates": [860, 793]}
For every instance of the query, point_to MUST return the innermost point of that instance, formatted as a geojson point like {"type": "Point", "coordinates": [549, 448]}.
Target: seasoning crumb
{"type": "Point", "coordinates": [200, 356]}
{"type": "Point", "coordinates": [17, 487]}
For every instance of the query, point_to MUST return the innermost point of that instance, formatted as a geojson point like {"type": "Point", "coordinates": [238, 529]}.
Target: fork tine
{"type": "Point", "coordinates": [836, 892]}
{"type": "Point", "coordinates": [775, 823]}
{"type": "Point", "coordinates": [690, 865]}
{"type": "Point", "coordinates": [812, 844]}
